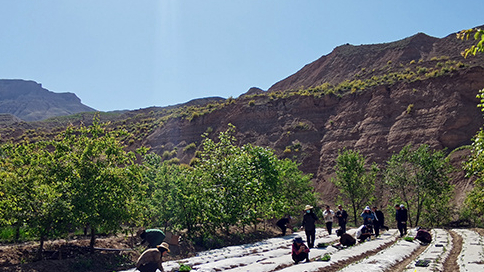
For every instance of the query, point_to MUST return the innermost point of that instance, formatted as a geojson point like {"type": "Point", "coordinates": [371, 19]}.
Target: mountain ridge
{"type": "Point", "coordinates": [29, 101]}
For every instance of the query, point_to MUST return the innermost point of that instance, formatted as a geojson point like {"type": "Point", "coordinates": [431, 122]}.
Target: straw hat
{"type": "Point", "coordinates": [165, 246]}
{"type": "Point", "coordinates": [308, 207]}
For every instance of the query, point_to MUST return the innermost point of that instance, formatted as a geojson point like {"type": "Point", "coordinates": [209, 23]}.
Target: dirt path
{"type": "Point", "coordinates": [403, 264]}
{"type": "Point", "coordinates": [450, 264]}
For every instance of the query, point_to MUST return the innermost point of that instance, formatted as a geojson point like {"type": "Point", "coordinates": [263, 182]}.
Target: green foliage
{"type": "Point", "coordinates": [30, 192]}
{"type": "Point", "coordinates": [326, 258]}
{"type": "Point", "coordinates": [82, 178]}
{"type": "Point", "coordinates": [184, 268]}
{"type": "Point", "coordinates": [474, 166]}
{"type": "Point", "coordinates": [408, 239]}
{"type": "Point", "coordinates": [474, 202]}
{"type": "Point", "coordinates": [478, 35]}
{"type": "Point", "coordinates": [355, 183]}
{"type": "Point", "coordinates": [189, 147]}
{"type": "Point", "coordinates": [228, 186]}
{"type": "Point", "coordinates": [409, 108]}
{"type": "Point", "coordinates": [419, 178]}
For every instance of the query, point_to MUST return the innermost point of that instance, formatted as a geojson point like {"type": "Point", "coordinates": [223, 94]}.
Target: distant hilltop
{"type": "Point", "coordinates": [28, 101]}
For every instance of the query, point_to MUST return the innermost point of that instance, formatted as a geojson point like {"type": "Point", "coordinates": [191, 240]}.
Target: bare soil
{"type": "Point", "coordinates": [450, 264]}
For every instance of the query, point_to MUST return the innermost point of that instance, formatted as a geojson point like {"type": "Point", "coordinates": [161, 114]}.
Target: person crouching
{"type": "Point", "coordinates": [300, 251]}
{"type": "Point", "coordinates": [423, 236]}
{"type": "Point", "coordinates": [152, 258]}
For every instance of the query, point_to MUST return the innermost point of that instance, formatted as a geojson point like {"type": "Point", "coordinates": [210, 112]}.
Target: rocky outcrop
{"type": "Point", "coordinates": [30, 102]}
{"type": "Point", "coordinates": [440, 112]}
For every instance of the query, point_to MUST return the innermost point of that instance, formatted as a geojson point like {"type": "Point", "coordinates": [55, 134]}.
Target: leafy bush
{"type": "Point", "coordinates": [189, 147]}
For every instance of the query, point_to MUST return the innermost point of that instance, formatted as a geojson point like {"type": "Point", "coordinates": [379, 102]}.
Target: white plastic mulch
{"type": "Point", "coordinates": [342, 255]}
{"type": "Point", "coordinates": [437, 252]}
{"type": "Point", "coordinates": [385, 259]}
{"type": "Point", "coordinates": [471, 257]}
{"type": "Point", "coordinates": [261, 256]}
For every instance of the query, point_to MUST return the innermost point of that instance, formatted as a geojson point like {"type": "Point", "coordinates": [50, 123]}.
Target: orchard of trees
{"type": "Point", "coordinates": [85, 179]}
{"type": "Point", "coordinates": [415, 177]}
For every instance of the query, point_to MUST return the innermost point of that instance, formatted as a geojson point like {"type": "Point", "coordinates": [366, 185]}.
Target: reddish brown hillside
{"type": "Point", "coordinates": [347, 61]}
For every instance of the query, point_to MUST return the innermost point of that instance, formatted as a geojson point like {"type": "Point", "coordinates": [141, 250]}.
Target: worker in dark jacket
{"type": "Point", "coordinates": [345, 239]}
{"type": "Point", "coordinates": [309, 225]}
{"type": "Point", "coordinates": [283, 224]}
{"type": "Point", "coordinates": [342, 216]}
{"type": "Point", "coordinates": [154, 237]}
{"type": "Point", "coordinates": [381, 218]}
{"type": "Point", "coordinates": [401, 217]}
{"type": "Point", "coordinates": [423, 236]}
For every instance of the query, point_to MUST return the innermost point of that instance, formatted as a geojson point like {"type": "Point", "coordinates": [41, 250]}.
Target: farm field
{"type": "Point", "coordinates": [385, 253]}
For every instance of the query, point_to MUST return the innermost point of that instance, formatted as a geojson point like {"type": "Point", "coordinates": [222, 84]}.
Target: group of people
{"type": "Point", "coordinates": [373, 222]}
{"type": "Point", "coordinates": [152, 258]}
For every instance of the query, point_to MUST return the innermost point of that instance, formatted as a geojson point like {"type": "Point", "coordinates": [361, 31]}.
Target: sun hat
{"type": "Point", "coordinates": [367, 208]}
{"type": "Point", "coordinates": [308, 207]}
{"type": "Point", "coordinates": [165, 246]}
{"type": "Point", "coordinates": [402, 206]}
{"type": "Point", "coordinates": [298, 240]}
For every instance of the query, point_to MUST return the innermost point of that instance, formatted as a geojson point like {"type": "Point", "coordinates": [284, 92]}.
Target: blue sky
{"type": "Point", "coordinates": [120, 54]}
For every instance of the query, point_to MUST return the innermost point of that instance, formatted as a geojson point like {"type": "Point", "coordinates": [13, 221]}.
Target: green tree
{"type": "Point", "coordinates": [228, 186]}
{"type": "Point", "coordinates": [103, 178]}
{"type": "Point", "coordinates": [355, 183]}
{"type": "Point", "coordinates": [30, 194]}
{"type": "Point", "coordinates": [419, 178]}
{"type": "Point", "coordinates": [474, 166]}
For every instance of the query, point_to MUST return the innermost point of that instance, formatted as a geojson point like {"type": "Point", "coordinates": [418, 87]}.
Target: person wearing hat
{"type": "Point", "coordinates": [342, 216]}
{"type": "Point", "coordinates": [152, 258]}
{"type": "Point", "coordinates": [154, 237]}
{"type": "Point", "coordinates": [368, 216]}
{"type": "Point", "coordinates": [309, 224]}
{"type": "Point", "coordinates": [299, 250]}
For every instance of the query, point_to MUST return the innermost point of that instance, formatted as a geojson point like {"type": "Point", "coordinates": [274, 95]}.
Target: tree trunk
{"type": "Point", "coordinates": [93, 239]}
{"type": "Point", "coordinates": [354, 215]}
{"type": "Point", "coordinates": [41, 248]}
{"type": "Point", "coordinates": [17, 232]}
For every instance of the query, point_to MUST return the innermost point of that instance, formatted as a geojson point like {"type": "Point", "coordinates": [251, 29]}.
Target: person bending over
{"type": "Point", "coordinates": [152, 258]}
{"type": "Point", "coordinates": [363, 233]}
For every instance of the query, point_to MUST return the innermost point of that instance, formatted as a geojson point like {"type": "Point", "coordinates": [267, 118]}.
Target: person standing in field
{"type": "Point", "coordinates": [368, 216]}
{"type": "Point", "coordinates": [401, 217]}
{"type": "Point", "coordinates": [404, 218]}
{"type": "Point", "coordinates": [342, 216]}
{"type": "Point", "coordinates": [309, 225]}
{"type": "Point", "coordinates": [328, 215]}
